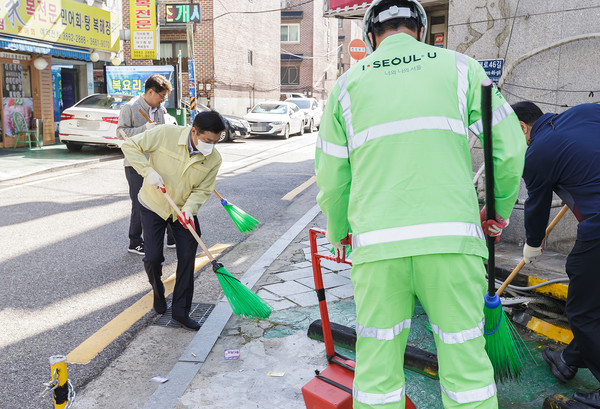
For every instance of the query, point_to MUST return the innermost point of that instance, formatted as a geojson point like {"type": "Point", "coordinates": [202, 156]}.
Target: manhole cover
{"type": "Point", "coordinates": [199, 312]}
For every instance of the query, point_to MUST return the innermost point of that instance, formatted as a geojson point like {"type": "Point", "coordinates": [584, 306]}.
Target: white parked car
{"type": "Point", "coordinates": [312, 112]}
{"type": "Point", "coordinates": [94, 120]}
{"type": "Point", "coordinates": [276, 118]}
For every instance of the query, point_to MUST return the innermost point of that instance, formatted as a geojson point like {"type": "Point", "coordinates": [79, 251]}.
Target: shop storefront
{"type": "Point", "coordinates": [47, 50]}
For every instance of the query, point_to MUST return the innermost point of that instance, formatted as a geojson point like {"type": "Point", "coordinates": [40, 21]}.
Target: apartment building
{"type": "Point", "coordinates": [309, 49]}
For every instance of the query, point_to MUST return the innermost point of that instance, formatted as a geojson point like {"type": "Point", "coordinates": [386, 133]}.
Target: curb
{"type": "Point", "coordinates": [57, 168]}
{"type": "Point", "coordinates": [415, 359]}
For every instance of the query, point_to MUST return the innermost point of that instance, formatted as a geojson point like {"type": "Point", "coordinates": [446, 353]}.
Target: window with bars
{"type": "Point", "coordinates": [169, 51]}
{"type": "Point", "coordinates": [290, 75]}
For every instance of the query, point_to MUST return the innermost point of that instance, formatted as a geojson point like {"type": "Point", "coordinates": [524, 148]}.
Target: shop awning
{"type": "Point", "coordinates": [17, 44]}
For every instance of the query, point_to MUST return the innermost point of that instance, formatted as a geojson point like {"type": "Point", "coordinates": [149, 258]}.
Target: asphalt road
{"type": "Point", "coordinates": [64, 266]}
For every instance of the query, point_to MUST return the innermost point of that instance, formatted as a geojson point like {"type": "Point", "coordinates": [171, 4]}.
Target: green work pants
{"type": "Point", "coordinates": [450, 287]}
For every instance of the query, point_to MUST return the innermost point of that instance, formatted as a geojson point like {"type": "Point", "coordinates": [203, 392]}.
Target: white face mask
{"type": "Point", "coordinates": [204, 148]}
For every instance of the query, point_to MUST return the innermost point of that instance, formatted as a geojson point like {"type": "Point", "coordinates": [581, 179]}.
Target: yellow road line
{"type": "Point", "coordinates": [299, 189]}
{"type": "Point", "coordinates": [557, 291]}
{"type": "Point", "coordinates": [92, 346]}
{"type": "Point", "coordinates": [551, 331]}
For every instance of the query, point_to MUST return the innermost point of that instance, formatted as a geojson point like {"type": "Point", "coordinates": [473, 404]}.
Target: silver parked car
{"type": "Point", "coordinates": [312, 112]}
{"type": "Point", "coordinates": [276, 118]}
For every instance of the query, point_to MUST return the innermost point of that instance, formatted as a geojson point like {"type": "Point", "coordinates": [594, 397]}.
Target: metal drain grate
{"type": "Point", "coordinates": [199, 312]}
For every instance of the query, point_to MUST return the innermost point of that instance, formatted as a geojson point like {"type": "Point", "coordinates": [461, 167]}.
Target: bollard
{"type": "Point", "coordinates": [64, 394]}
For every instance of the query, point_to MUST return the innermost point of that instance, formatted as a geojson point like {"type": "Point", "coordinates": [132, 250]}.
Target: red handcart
{"type": "Point", "coordinates": [331, 388]}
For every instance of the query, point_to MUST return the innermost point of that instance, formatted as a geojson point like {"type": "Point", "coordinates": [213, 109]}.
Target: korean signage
{"type": "Point", "coordinates": [61, 21]}
{"type": "Point", "coordinates": [182, 13]}
{"type": "Point", "coordinates": [130, 79]}
{"type": "Point", "coordinates": [142, 24]}
{"type": "Point", "coordinates": [493, 68]}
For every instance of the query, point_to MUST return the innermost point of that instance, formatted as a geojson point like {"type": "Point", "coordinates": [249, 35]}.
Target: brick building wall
{"type": "Point", "coordinates": [246, 59]}
{"type": "Point", "coordinates": [221, 42]}
{"type": "Point", "coordinates": [318, 41]}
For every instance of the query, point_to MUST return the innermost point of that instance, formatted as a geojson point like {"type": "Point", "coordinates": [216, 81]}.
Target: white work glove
{"type": "Point", "coordinates": [150, 125]}
{"type": "Point", "coordinates": [530, 254]}
{"type": "Point", "coordinates": [188, 220]}
{"type": "Point", "coordinates": [337, 246]}
{"type": "Point", "coordinates": [155, 180]}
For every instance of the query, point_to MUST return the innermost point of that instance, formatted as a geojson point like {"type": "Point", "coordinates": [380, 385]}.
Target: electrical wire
{"type": "Point", "coordinates": [533, 287]}
{"type": "Point", "coordinates": [259, 11]}
{"type": "Point", "coordinates": [527, 15]}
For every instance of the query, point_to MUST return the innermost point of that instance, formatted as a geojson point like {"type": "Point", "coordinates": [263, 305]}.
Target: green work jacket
{"type": "Point", "coordinates": [188, 180]}
{"type": "Point", "coordinates": [393, 158]}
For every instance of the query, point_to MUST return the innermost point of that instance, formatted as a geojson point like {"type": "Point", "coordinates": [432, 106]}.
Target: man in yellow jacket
{"type": "Point", "coordinates": [183, 161]}
{"type": "Point", "coordinates": [393, 163]}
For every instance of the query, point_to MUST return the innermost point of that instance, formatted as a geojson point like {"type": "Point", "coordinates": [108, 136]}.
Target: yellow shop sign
{"type": "Point", "coordinates": [142, 24]}
{"type": "Point", "coordinates": [61, 21]}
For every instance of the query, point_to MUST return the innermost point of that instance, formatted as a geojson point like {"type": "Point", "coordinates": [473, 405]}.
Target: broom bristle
{"type": "Point", "coordinates": [505, 347]}
{"type": "Point", "coordinates": [244, 222]}
{"type": "Point", "coordinates": [242, 300]}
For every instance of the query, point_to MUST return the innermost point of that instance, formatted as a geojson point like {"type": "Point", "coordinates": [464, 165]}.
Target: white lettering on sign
{"type": "Point", "coordinates": [358, 49]}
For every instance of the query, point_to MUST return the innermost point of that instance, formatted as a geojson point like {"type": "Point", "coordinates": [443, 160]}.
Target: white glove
{"type": "Point", "coordinates": [150, 125]}
{"type": "Point", "coordinates": [154, 179]}
{"type": "Point", "coordinates": [338, 246]}
{"type": "Point", "coordinates": [530, 254]}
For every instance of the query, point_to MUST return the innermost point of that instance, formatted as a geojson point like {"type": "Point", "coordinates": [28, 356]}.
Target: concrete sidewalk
{"type": "Point", "coordinates": [23, 162]}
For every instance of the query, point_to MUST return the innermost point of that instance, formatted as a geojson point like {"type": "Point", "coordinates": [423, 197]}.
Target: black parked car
{"type": "Point", "coordinates": [236, 127]}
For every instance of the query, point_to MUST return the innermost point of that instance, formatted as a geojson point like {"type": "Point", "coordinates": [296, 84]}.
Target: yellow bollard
{"type": "Point", "coordinates": [58, 369]}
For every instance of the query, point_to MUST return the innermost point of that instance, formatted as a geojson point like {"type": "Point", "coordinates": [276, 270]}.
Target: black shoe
{"type": "Point", "coordinates": [187, 323]}
{"type": "Point", "coordinates": [160, 305]}
{"type": "Point", "coordinates": [137, 250]}
{"type": "Point", "coordinates": [591, 399]}
{"type": "Point", "coordinates": [559, 368]}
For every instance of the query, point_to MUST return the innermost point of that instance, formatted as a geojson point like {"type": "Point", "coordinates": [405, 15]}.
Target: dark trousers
{"type": "Point", "coordinates": [154, 236]}
{"type": "Point", "coordinates": [583, 306]}
{"type": "Point", "coordinates": [135, 221]}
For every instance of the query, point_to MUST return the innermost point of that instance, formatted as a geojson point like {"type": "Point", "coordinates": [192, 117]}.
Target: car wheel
{"type": "Point", "coordinates": [286, 133]}
{"type": "Point", "coordinates": [226, 136]}
{"type": "Point", "coordinates": [74, 147]}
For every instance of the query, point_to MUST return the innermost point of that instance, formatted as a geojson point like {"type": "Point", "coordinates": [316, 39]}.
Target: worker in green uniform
{"type": "Point", "coordinates": [393, 163]}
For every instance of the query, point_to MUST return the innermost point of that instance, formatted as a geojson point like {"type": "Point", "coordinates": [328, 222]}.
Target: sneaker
{"type": "Point", "coordinates": [137, 250]}
{"type": "Point", "coordinates": [170, 243]}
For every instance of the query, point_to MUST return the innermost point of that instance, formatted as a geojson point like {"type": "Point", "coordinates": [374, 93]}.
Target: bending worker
{"type": "Point", "coordinates": [183, 161]}
{"type": "Point", "coordinates": [393, 163]}
{"type": "Point", "coordinates": [562, 157]}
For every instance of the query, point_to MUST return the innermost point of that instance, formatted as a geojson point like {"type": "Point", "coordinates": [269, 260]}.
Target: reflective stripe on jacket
{"type": "Point", "coordinates": [393, 158]}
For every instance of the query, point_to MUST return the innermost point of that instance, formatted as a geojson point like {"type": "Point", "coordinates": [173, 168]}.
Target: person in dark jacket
{"type": "Point", "coordinates": [564, 157]}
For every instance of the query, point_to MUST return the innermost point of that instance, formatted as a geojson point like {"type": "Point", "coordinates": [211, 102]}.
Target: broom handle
{"type": "Point", "coordinates": [122, 134]}
{"type": "Point", "coordinates": [174, 206]}
{"type": "Point", "coordinates": [144, 115]}
{"type": "Point", "coordinates": [218, 195]}
{"type": "Point", "coordinates": [522, 263]}
{"type": "Point", "coordinates": [490, 200]}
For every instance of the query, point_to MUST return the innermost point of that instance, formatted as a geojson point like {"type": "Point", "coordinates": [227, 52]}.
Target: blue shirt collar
{"type": "Point", "coordinates": [542, 120]}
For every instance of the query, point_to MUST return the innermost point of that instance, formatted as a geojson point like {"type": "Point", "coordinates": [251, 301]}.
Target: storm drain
{"type": "Point", "coordinates": [199, 312]}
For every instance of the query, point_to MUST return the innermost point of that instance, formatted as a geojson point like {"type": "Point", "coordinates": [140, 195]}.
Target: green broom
{"type": "Point", "coordinates": [242, 300]}
{"type": "Point", "coordinates": [244, 222]}
{"type": "Point", "coordinates": [503, 344]}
